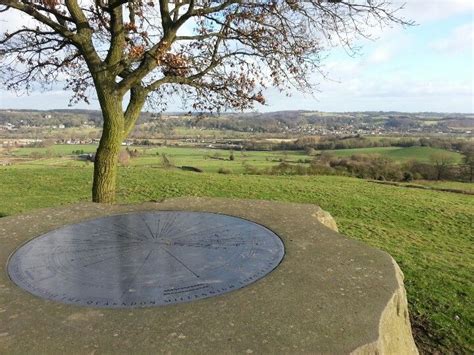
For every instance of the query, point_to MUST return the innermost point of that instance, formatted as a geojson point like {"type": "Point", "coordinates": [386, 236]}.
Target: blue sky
{"type": "Point", "coordinates": [428, 67]}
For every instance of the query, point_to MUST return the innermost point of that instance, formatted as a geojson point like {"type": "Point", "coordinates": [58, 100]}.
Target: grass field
{"type": "Point", "coordinates": [457, 185]}
{"type": "Point", "coordinates": [211, 160]}
{"type": "Point", "coordinates": [57, 149]}
{"type": "Point", "coordinates": [429, 233]}
{"type": "Point", "coordinates": [400, 154]}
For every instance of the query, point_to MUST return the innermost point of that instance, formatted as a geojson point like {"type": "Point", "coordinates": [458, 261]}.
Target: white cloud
{"type": "Point", "coordinates": [380, 55]}
{"type": "Point", "coordinates": [460, 39]}
{"type": "Point", "coordinates": [399, 94]}
{"type": "Point", "coordinates": [359, 81]}
{"type": "Point", "coordinates": [400, 90]}
{"type": "Point", "coordinates": [40, 100]}
{"type": "Point", "coordinates": [14, 21]}
{"type": "Point", "coordinates": [423, 11]}
{"type": "Point", "coordinates": [408, 87]}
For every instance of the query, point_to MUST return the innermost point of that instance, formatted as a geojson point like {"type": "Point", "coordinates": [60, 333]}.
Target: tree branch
{"type": "Point", "coordinates": [138, 96]}
{"type": "Point", "coordinates": [33, 12]}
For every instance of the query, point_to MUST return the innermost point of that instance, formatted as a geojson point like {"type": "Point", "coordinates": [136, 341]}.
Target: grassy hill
{"type": "Point", "coordinates": [429, 233]}
{"type": "Point", "coordinates": [400, 154]}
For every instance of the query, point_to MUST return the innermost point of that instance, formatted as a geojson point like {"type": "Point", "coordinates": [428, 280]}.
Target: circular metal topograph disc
{"type": "Point", "coordinates": [146, 259]}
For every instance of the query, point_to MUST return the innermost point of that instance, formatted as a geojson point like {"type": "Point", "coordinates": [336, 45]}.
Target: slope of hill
{"type": "Point", "coordinates": [429, 233]}
{"type": "Point", "coordinates": [401, 154]}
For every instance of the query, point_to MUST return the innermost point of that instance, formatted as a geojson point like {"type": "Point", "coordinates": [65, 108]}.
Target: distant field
{"type": "Point", "coordinates": [466, 186]}
{"type": "Point", "coordinates": [429, 233]}
{"type": "Point", "coordinates": [400, 154]}
{"type": "Point", "coordinates": [211, 160]}
{"type": "Point", "coordinates": [349, 152]}
{"type": "Point", "coordinates": [57, 149]}
{"type": "Point", "coordinates": [209, 133]}
{"type": "Point", "coordinates": [421, 154]}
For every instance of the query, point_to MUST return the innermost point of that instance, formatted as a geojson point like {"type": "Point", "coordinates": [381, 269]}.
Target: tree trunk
{"type": "Point", "coordinates": [106, 158]}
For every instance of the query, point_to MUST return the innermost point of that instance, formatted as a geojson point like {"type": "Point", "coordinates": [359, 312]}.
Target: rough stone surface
{"type": "Point", "coordinates": [394, 327]}
{"type": "Point", "coordinates": [329, 295]}
{"type": "Point", "coordinates": [325, 218]}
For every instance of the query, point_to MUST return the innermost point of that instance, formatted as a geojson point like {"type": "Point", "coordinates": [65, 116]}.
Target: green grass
{"type": "Point", "coordinates": [57, 149]}
{"type": "Point", "coordinates": [201, 157]}
{"type": "Point", "coordinates": [429, 233]}
{"type": "Point", "coordinates": [349, 152]}
{"type": "Point", "coordinates": [211, 160]}
{"type": "Point", "coordinates": [456, 185]}
{"type": "Point", "coordinates": [422, 154]}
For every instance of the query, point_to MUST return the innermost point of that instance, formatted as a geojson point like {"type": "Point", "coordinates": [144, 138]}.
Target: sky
{"type": "Point", "coordinates": [428, 67]}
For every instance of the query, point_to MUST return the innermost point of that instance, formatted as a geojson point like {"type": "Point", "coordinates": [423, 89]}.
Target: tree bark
{"type": "Point", "coordinates": [106, 158]}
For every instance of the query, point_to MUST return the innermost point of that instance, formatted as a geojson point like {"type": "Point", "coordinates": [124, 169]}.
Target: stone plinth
{"type": "Point", "coordinates": [330, 294]}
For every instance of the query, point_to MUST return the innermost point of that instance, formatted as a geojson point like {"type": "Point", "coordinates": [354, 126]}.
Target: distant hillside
{"type": "Point", "coordinates": [292, 121]}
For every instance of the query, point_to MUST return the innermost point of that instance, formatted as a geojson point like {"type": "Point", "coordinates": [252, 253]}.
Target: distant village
{"type": "Point", "coordinates": [23, 127]}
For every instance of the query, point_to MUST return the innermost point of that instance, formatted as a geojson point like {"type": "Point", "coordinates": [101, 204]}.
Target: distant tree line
{"type": "Point", "coordinates": [335, 142]}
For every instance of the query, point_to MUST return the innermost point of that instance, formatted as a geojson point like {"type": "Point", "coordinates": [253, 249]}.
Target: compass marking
{"type": "Point", "coordinates": [109, 258]}
{"type": "Point", "coordinates": [179, 261]}
{"type": "Point", "coordinates": [148, 227]}
{"type": "Point", "coordinates": [136, 274]}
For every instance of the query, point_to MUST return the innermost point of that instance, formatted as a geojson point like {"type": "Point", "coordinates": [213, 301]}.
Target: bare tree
{"type": "Point", "coordinates": [214, 54]}
{"type": "Point", "coordinates": [468, 160]}
{"type": "Point", "coordinates": [441, 162]}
